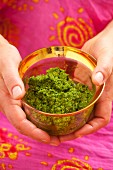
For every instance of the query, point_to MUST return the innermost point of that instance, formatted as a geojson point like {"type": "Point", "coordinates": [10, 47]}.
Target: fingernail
{"type": "Point", "coordinates": [16, 91]}
{"type": "Point", "coordinates": [99, 78]}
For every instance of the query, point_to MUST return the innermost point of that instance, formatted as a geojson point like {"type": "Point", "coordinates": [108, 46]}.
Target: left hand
{"type": "Point", "coordinates": [11, 92]}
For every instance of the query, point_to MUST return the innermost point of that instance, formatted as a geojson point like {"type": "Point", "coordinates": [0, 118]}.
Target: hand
{"type": "Point", "coordinates": [101, 47]}
{"type": "Point", "coordinates": [12, 90]}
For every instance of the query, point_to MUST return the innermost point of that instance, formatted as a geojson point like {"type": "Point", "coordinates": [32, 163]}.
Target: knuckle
{"type": "Point", "coordinates": [106, 121]}
{"type": "Point", "coordinates": [18, 127]}
{"type": "Point", "coordinates": [106, 70]}
{"type": "Point", "coordinates": [20, 130]}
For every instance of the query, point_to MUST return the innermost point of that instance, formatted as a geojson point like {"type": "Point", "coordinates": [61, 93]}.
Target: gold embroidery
{"type": "Point", "coordinates": [80, 10]}
{"type": "Point", "coordinates": [27, 154]}
{"type": "Point", "coordinates": [75, 164]}
{"type": "Point", "coordinates": [15, 137]}
{"type": "Point", "coordinates": [73, 32]}
{"type": "Point", "coordinates": [55, 15]}
{"type": "Point", "coordinates": [22, 6]}
{"type": "Point", "coordinates": [31, 8]}
{"type": "Point", "coordinates": [11, 150]}
{"type": "Point", "coordinates": [52, 28]}
{"type": "Point", "coordinates": [36, 1]}
{"type": "Point", "coordinates": [86, 157]}
{"type": "Point", "coordinates": [51, 38]}
{"type": "Point", "coordinates": [89, 29]}
{"type": "Point", "coordinates": [10, 135]}
{"type": "Point", "coordinates": [2, 154]}
{"type": "Point", "coordinates": [19, 8]}
{"type": "Point", "coordinates": [13, 155]}
{"type": "Point", "coordinates": [61, 9]}
{"type": "Point", "coordinates": [10, 166]}
{"type": "Point", "coordinates": [46, 0]}
{"type": "Point", "coordinates": [25, 6]}
{"type": "Point", "coordinates": [73, 35]}
{"type": "Point", "coordinates": [44, 163]}
{"type": "Point", "coordinates": [71, 150]}
{"type": "Point", "coordinates": [5, 147]}
{"type": "Point", "coordinates": [3, 166]}
{"type": "Point", "coordinates": [21, 147]}
{"type": "Point", "coordinates": [49, 155]}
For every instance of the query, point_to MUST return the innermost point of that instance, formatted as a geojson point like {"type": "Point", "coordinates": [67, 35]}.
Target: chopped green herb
{"type": "Point", "coordinates": [55, 92]}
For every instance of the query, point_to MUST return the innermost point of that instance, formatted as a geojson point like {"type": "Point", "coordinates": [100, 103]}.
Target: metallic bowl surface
{"type": "Point", "coordinates": [79, 65]}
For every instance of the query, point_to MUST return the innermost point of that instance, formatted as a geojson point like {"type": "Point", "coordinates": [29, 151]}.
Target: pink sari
{"type": "Point", "coordinates": [33, 24]}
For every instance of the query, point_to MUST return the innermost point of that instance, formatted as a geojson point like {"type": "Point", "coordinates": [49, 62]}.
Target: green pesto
{"type": "Point", "coordinates": [55, 92]}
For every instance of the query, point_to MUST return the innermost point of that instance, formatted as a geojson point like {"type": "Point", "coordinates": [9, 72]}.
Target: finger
{"type": "Point", "coordinates": [101, 119]}
{"type": "Point", "coordinates": [12, 109]}
{"type": "Point", "coordinates": [9, 70]}
{"type": "Point", "coordinates": [18, 119]}
{"type": "Point", "coordinates": [68, 137]}
{"type": "Point", "coordinates": [54, 140]}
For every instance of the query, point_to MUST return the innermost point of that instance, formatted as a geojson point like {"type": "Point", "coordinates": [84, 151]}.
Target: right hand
{"type": "Point", "coordinates": [100, 47]}
{"type": "Point", "coordinates": [11, 92]}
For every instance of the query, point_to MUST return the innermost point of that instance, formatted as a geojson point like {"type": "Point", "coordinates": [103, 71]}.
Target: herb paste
{"type": "Point", "coordinates": [55, 92]}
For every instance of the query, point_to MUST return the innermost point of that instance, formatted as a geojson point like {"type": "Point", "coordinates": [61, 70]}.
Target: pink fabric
{"type": "Point", "coordinates": [34, 24]}
{"type": "Point", "coordinates": [42, 23]}
{"type": "Point", "coordinates": [93, 152]}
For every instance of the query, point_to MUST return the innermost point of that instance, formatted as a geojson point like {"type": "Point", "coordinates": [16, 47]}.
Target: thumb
{"type": "Point", "coordinates": [10, 60]}
{"type": "Point", "coordinates": [13, 81]}
{"type": "Point", "coordinates": [104, 65]}
{"type": "Point", "coordinates": [9, 63]}
{"type": "Point", "coordinates": [103, 69]}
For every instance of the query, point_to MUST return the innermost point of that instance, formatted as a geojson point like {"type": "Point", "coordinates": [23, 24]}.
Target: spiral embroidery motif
{"type": "Point", "coordinates": [71, 164]}
{"type": "Point", "coordinates": [74, 33]}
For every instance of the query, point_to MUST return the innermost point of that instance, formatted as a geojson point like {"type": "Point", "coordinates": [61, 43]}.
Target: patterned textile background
{"type": "Point", "coordinates": [33, 24]}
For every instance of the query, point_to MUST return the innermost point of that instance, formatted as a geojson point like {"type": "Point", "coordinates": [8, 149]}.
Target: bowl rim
{"type": "Point", "coordinates": [64, 114]}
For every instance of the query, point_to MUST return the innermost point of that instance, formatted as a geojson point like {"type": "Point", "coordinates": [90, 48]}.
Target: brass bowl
{"type": "Point", "coordinates": [79, 65]}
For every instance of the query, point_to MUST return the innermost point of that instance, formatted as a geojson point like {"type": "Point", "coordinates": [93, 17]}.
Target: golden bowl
{"type": "Point", "coordinates": [79, 65]}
